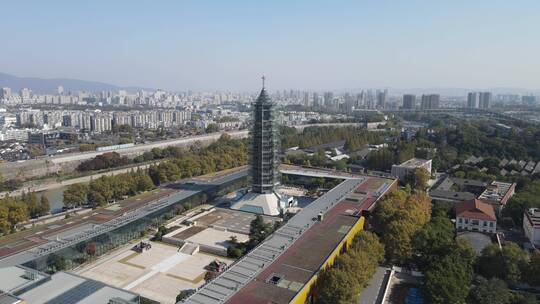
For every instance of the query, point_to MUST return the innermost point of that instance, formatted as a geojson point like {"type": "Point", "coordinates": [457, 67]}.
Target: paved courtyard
{"type": "Point", "coordinates": [159, 273]}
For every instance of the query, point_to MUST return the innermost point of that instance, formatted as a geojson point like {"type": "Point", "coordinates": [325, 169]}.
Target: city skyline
{"type": "Point", "coordinates": [312, 46]}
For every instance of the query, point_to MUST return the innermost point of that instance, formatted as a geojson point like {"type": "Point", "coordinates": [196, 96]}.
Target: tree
{"type": "Point", "coordinates": [258, 231]}
{"type": "Point", "coordinates": [340, 287]}
{"type": "Point", "coordinates": [17, 212]}
{"type": "Point", "coordinates": [369, 242]}
{"type": "Point", "coordinates": [162, 230]}
{"type": "Point", "coordinates": [433, 241]}
{"type": "Point", "coordinates": [529, 197]}
{"type": "Point", "coordinates": [418, 178]}
{"type": "Point", "coordinates": [184, 294]}
{"type": "Point", "coordinates": [95, 198]}
{"type": "Point", "coordinates": [492, 291]}
{"type": "Point", "coordinates": [380, 160]}
{"type": "Point", "coordinates": [211, 128]}
{"type": "Point", "coordinates": [397, 218]}
{"type": "Point", "coordinates": [44, 206]}
{"type": "Point", "coordinates": [531, 274]}
{"type": "Point", "coordinates": [75, 195]}
{"type": "Point", "coordinates": [210, 275]}
{"type": "Point", "coordinates": [91, 249]}
{"type": "Point", "coordinates": [506, 263]}
{"type": "Point", "coordinates": [5, 226]}
{"type": "Point", "coordinates": [144, 183]}
{"type": "Point", "coordinates": [31, 201]}
{"type": "Point", "coordinates": [447, 281]}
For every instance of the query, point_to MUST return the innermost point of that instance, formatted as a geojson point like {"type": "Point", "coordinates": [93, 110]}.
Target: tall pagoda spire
{"type": "Point", "coordinates": [264, 156]}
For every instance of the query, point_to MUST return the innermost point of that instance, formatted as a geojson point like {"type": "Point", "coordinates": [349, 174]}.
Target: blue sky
{"type": "Point", "coordinates": [298, 44]}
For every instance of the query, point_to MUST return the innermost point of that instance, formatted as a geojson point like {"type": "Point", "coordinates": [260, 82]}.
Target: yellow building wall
{"type": "Point", "coordinates": [303, 295]}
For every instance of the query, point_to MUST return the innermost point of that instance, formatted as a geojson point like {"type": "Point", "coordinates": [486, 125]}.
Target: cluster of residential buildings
{"type": "Point", "coordinates": [158, 98]}
{"type": "Point", "coordinates": [508, 167]}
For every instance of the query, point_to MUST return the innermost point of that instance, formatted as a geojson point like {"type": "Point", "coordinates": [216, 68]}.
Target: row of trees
{"type": "Point", "coordinates": [354, 137]}
{"type": "Point", "coordinates": [383, 159]}
{"type": "Point", "coordinates": [397, 218]}
{"type": "Point", "coordinates": [104, 161]}
{"type": "Point", "coordinates": [510, 264]}
{"type": "Point", "coordinates": [343, 282]}
{"type": "Point", "coordinates": [16, 210]}
{"type": "Point", "coordinates": [35, 208]}
{"type": "Point", "coordinates": [223, 154]}
{"type": "Point", "coordinates": [106, 189]}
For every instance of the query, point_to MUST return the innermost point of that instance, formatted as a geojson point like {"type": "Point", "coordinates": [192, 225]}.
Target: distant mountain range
{"type": "Point", "coordinates": [50, 85]}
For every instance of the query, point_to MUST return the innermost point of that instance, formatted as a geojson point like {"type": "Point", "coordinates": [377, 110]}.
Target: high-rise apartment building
{"type": "Point", "coordinates": [473, 100]}
{"type": "Point", "coordinates": [382, 98]}
{"type": "Point", "coordinates": [485, 100]}
{"type": "Point", "coordinates": [328, 99]}
{"type": "Point", "coordinates": [409, 101]}
{"type": "Point", "coordinates": [430, 101]}
{"type": "Point", "coordinates": [480, 100]}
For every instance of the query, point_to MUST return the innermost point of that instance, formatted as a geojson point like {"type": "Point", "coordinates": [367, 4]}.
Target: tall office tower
{"type": "Point", "coordinates": [382, 97]}
{"type": "Point", "coordinates": [485, 100]}
{"type": "Point", "coordinates": [306, 99]}
{"type": "Point", "coordinates": [315, 99]}
{"type": "Point", "coordinates": [409, 101]}
{"type": "Point", "coordinates": [60, 90]}
{"type": "Point", "coordinates": [430, 101]}
{"type": "Point", "coordinates": [473, 100]}
{"type": "Point", "coordinates": [264, 154]}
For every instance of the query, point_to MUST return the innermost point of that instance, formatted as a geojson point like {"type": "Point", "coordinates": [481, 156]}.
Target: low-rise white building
{"type": "Point", "coordinates": [475, 215]}
{"type": "Point", "coordinates": [402, 170]}
{"type": "Point", "coordinates": [531, 225]}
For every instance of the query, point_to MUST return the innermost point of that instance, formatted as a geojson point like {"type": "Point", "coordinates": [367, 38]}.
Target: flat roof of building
{"type": "Point", "coordinates": [414, 163]}
{"type": "Point", "coordinates": [533, 216]}
{"type": "Point", "coordinates": [283, 254]}
{"type": "Point", "coordinates": [498, 192]}
{"type": "Point", "coordinates": [68, 288]}
{"type": "Point", "coordinates": [15, 278]}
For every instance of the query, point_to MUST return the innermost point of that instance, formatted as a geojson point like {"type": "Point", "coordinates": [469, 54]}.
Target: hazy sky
{"type": "Point", "coordinates": [298, 44]}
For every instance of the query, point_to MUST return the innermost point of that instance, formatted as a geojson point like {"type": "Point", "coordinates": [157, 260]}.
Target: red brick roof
{"type": "Point", "coordinates": [475, 209]}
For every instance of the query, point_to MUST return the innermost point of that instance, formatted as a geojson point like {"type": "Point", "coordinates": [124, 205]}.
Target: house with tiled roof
{"type": "Point", "coordinates": [475, 215]}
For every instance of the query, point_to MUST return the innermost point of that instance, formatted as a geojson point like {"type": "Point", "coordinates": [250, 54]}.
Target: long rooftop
{"type": "Point", "coordinates": [283, 254]}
